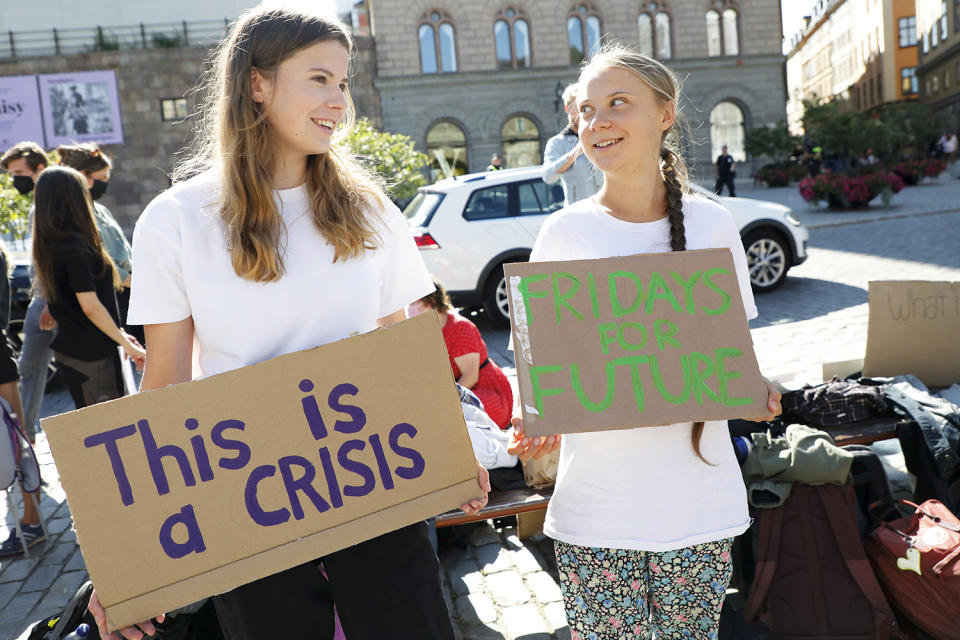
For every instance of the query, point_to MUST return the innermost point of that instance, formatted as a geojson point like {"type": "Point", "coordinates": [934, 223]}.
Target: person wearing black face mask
{"type": "Point", "coordinates": [24, 161]}
{"type": "Point", "coordinates": [88, 159]}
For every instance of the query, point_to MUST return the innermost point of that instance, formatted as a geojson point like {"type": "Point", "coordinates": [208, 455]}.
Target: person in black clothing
{"type": "Point", "coordinates": [79, 281]}
{"type": "Point", "coordinates": [726, 172]}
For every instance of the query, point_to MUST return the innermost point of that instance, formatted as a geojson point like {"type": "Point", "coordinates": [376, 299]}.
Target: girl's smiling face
{"type": "Point", "coordinates": [305, 98]}
{"type": "Point", "coordinates": [622, 120]}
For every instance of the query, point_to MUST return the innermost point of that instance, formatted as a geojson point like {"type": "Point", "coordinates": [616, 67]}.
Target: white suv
{"type": "Point", "coordinates": [467, 227]}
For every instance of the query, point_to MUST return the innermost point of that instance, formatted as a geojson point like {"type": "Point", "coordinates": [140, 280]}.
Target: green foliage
{"type": "Point", "coordinates": [902, 129]}
{"type": "Point", "coordinates": [103, 42]}
{"type": "Point", "coordinates": [837, 127]}
{"type": "Point", "coordinates": [774, 141]}
{"type": "Point", "coordinates": [13, 209]}
{"type": "Point", "coordinates": [389, 155]}
{"type": "Point", "coordinates": [166, 41]}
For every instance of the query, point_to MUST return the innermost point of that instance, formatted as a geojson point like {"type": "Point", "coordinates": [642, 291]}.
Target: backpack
{"type": "Point", "coordinates": [870, 487]}
{"type": "Point", "coordinates": [917, 560]}
{"type": "Point", "coordinates": [17, 459]}
{"type": "Point", "coordinates": [812, 578]}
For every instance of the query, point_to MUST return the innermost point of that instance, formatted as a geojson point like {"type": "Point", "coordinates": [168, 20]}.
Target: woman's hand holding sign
{"type": "Point", "coordinates": [527, 448]}
{"type": "Point", "coordinates": [136, 632]}
{"type": "Point", "coordinates": [483, 479]}
{"type": "Point", "coordinates": [773, 403]}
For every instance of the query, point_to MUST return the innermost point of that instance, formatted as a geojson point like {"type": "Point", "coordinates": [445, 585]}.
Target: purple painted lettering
{"type": "Point", "coordinates": [358, 417]}
{"type": "Point", "coordinates": [304, 483]}
{"type": "Point", "coordinates": [381, 462]}
{"type": "Point", "coordinates": [243, 451]}
{"type": "Point", "coordinates": [109, 440]}
{"type": "Point", "coordinates": [362, 470]}
{"type": "Point", "coordinates": [333, 485]}
{"type": "Point", "coordinates": [418, 464]}
{"type": "Point", "coordinates": [194, 543]}
{"type": "Point", "coordinates": [257, 513]}
{"type": "Point", "coordinates": [155, 456]}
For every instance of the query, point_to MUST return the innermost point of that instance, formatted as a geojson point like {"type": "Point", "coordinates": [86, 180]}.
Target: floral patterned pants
{"type": "Point", "coordinates": [637, 595]}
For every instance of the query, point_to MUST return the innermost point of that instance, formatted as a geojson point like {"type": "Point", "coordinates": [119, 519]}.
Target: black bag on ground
{"type": "Point", "coordinates": [813, 579]}
{"type": "Point", "coordinates": [870, 485]}
{"type": "Point", "coordinates": [931, 485]}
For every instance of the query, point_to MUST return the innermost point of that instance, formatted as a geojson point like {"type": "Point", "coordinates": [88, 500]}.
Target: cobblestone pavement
{"type": "Point", "coordinates": [498, 586]}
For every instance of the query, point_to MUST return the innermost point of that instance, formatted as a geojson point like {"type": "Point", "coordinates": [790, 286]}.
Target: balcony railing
{"type": "Point", "coordinates": [22, 44]}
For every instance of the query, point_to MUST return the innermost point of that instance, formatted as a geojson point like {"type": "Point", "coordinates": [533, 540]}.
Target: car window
{"type": "Point", "coordinates": [529, 203]}
{"type": "Point", "coordinates": [421, 208]}
{"type": "Point", "coordinates": [549, 195]}
{"type": "Point", "coordinates": [489, 203]}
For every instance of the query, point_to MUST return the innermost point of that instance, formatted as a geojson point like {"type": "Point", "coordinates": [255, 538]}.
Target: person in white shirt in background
{"type": "Point", "coordinates": [948, 143]}
{"type": "Point", "coordinates": [643, 519]}
{"type": "Point", "coordinates": [563, 157]}
{"type": "Point", "coordinates": [273, 240]}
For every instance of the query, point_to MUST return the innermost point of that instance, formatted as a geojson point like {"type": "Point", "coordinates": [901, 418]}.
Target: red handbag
{"type": "Point", "coordinates": [917, 561]}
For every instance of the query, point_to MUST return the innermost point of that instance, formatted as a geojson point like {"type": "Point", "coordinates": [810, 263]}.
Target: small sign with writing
{"type": "Point", "coordinates": [633, 341]}
{"type": "Point", "coordinates": [211, 484]}
{"type": "Point", "coordinates": [913, 328]}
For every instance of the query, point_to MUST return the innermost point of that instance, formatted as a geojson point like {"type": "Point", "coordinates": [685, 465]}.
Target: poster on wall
{"type": "Point", "coordinates": [81, 107]}
{"type": "Point", "coordinates": [20, 115]}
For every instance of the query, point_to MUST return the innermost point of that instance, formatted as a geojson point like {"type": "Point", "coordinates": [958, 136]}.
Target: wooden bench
{"type": "Point", "coordinates": [500, 504]}
{"type": "Point", "coordinates": [517, 501]}
{"type": "Point", "coordinates": [867, 431]}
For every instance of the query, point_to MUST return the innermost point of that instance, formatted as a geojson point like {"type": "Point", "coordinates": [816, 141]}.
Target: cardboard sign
{"type": "Point", "coordinates": [195, 489]}
{"type": "Point", "coordinates": [913, 327]}
{"type": "Point", "coordinates": [636, 341]}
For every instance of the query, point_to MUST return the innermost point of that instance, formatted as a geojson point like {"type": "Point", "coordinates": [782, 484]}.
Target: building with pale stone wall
{"type": "Point", "coordinates": [469, 79]}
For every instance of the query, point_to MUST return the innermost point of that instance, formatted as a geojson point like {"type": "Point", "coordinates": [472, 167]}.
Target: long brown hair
{"type": "Point", "coordinates": [63, 208]}
{"type": "Point", "coordinates": [666, 88]}
{"type": "Point", "coordinates": [234, 134]}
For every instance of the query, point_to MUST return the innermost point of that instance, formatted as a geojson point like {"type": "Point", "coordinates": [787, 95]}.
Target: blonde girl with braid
{"type": "Point", "coordinates": [643, 518]}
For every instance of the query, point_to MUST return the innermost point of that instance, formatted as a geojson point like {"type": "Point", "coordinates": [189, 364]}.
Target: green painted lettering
{"type": "Point", "coordinates": [625, 344]}
{"type": "Point", "coordinates": [701, 368]}
{"type": "Point", "coordinates": [606, 339]}
{"type": "Point", "coordinates": [687, 288]}
{"type": "Point", "coordinates": [527, 295]}
{"type": "Point", "coordinates": [634, 362]}
{"type": "Point", "coordinates": [616, 304]}
{"type": "Point", "coordinates": [539, 393]}
{"type": "Point", "coordinates": [724, 296]}
{"type": "Point", "coordinates": [592, 287]}
{"type": "Point", "coordinates": [664, 330]}
{"type": "Point", "coordinates": [560, 299]}
{"type": "Point", "coordinates": [678, 398]}
{"type": "Point", "coordinates": [585, 401]}
{"type": "Point", "coordinates": [723, 376]}
{"type": "Point", "coordinates": [660, 291]}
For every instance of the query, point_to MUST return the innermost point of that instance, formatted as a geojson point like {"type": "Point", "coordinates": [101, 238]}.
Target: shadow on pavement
{"type": "Point", "coordinates": [780, 306]}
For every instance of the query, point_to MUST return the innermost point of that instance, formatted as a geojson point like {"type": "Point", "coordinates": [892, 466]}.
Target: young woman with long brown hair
{"type": "Point", "coordinates": [79, 282]}
{"type": "Point", "coordinates": [649, 556]}
{"type": "Point", "coordinates": [277, 242]}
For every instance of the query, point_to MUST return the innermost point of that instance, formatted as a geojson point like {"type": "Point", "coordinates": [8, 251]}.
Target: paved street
{"type": "Point", "coordinates": [500, 587]}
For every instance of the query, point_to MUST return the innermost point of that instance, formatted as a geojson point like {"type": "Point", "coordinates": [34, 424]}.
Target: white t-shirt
{"type": "Point", "coordinates": [645, 488]}
{"type": "Point", "coordinates": [183, 268]}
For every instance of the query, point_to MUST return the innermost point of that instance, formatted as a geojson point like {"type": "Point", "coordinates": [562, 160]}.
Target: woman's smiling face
{"type": "Point", "coordinates": [622, 120]}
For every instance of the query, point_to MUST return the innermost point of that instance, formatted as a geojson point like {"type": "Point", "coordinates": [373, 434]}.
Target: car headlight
{"type": "Point", "coordinates": [790, 217]}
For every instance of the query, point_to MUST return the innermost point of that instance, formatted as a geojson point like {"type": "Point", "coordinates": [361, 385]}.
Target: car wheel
{"type": "Point", "coordinates": [495, 298]}
{"type": "Point", "coordinates": [768, 259]}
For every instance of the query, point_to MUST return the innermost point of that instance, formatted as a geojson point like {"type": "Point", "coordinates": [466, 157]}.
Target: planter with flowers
{"type": "Point", "coordinates": [914, 170]}
{"type": "Point", "coordinates": [848, 191]}
{"type": "Point", "coordinates": [780, 174]}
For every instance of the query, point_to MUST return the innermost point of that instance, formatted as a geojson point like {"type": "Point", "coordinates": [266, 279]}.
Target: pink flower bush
{"type": "Point", "coordinates": [847, 191]}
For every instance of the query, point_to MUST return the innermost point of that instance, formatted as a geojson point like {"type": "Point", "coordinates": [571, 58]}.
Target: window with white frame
{"type": "Point", "coordinates": [723, 29]}
{"type": "Point", "coordinates": [511, 36]}
{"type": "Point", "coordinates": [438, 42]}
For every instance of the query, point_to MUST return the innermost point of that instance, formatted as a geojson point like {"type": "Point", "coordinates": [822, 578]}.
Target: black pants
{"type": "Point", "coordinates": [387, 587]}
{"type": "Point", "coordinates": [725, 180]}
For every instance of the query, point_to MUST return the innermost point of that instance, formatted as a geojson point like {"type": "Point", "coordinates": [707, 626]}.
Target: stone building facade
{"type": "Point", "coordinates": [465, 81]}
{"type": "Point", "coordinates": [862, 52]}
{"type": "Point", "coordinates": [938, 29]}
{"type": "Point", "coordinates": [145, 78]}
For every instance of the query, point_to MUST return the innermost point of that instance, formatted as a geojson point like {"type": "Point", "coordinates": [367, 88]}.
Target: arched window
{"type": "Point", "coordinates": [727, 128]}
{"type": "Point", "coordinates": [714, 44]}
{"type": "Point", "coordinates": [438, 43]}
{"type": "Point", "coordinates": [654, 27]}
{"type": "Point", "coordinates": [583, 32]}
{"type": "Point", "coordinates": [447, 149]}
{"type": "Point", "coordinates": [511, 35]}
{"type": "Point", "coordinates": [723, 29]}
{"type": "Point", "coordinates": [520, 141]}
{"type": "Point", "coordinates": [731, 40]}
